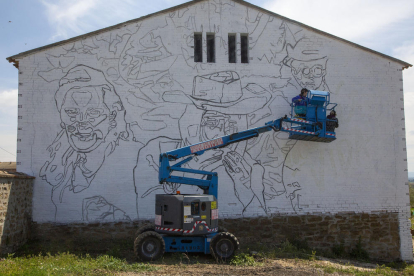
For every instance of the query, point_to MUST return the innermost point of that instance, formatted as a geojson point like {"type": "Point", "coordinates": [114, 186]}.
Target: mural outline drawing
{"type": "Point", "coordinates": [143, 85]}
{"type": "Point", "coordinates": [92, 121]}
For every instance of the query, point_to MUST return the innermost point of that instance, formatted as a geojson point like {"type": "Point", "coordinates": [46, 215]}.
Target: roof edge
{"type": "Point", "coordinates": [113, 27]}
{"type": "Point", "coordinates": [14, 59]}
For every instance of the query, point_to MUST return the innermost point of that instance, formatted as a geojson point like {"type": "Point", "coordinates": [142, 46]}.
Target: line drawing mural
{"type": "Point", "coordinates": [140, 84]}
{"type": "Point", "coordinates": [92, 120]}
{"type": "Point", "coordinates": [308, 64]}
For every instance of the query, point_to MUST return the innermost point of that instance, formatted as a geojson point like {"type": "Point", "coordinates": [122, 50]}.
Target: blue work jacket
{"type": "Point", "coordinates": [303, 102]}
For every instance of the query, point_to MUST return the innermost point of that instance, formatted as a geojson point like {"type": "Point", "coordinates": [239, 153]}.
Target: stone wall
{"type": "Point", "coordinates": [15, 210]}
{"type": "Point", "coordinates": [379, 232]}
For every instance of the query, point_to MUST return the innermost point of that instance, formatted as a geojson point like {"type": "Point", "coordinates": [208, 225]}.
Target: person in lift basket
{"type": "Point", "coordinates": [332, 121]}
{"type": "Point", "coordinates": [301, 102]}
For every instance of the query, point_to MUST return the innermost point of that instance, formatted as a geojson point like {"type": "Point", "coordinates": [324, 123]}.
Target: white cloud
{"type": "Point", "coordinates": [9, 144]}
{"type": "Point", "coordinates": [406, 52]}
{"type": "Point", "coordinates": [352, 19]}
{"type": "Point", "coordinates": [76, 17]}
{"type": "Point", "coordinates": [8, 124]}
{"type": "Point", "coordinates": [65, 15]}
{"type": "Point", "coordinates": [8, 100]}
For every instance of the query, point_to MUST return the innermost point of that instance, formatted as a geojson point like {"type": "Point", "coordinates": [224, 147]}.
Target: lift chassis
{"type": "Point", "coordinates": [189, 223]}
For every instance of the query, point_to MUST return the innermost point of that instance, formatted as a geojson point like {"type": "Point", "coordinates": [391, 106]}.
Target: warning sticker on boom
{"type": "Point", "coordinates": [214, 205]}
{"type": "Point", "coordinates": [214, 214]}
{"type": "Point", "coordinates": [187, 210]}
{"type": "Point", "coordinates": [158, 219]}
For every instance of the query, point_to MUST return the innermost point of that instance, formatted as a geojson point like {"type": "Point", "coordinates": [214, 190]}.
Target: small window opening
{"type": "Point", "coordinates": [244, 41]}
{"type": "Point", "coordinates": [165, 208]}
{"type": "Point", "coordinates": [232, 48]}
{"type": "Point", "coordinates": [211, 48]}
{"type": "Point", "coordinates": [195, 208]}
{"type": "Point", "coordinates": [203, 206]}
{"type": "Point", "coordinates": [198, 47]}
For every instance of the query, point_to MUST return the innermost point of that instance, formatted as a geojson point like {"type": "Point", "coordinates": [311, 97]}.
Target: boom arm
{"type": "Point", "coordinates": [209, 184]}
{"type": "Point", "coordinates": [311, 128]}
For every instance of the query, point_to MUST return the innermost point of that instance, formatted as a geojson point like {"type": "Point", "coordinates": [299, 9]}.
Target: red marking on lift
{"type": "Point", "coordinates": [207, 145]}
{"type": "Point", "coordinates": [301, 120]}
{"type": "Point", "coordinates": [299, 131]}
{"type": "Point", "coordinates": [188, 231]}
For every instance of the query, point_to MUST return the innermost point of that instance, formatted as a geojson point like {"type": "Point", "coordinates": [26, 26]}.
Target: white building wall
{"type": "Point", "coordinates": [157, 98]}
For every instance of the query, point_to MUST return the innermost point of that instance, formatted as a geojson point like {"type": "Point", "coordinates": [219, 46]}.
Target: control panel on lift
{"type": "Point", "coordinates": [187, 215]}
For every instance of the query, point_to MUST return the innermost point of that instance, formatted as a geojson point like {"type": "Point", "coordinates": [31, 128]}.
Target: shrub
{"type": "Point", "coordinates": [243, 259]}
{"type": "Point", "coordinates": [339, 250]}
{"type": "Point", "coordinates": [358, 252]}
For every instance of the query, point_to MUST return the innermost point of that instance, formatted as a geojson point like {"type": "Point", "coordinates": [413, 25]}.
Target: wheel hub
{"type": "Point", "coordinates": [224, 247]}
{"type": "Point", "coordinates": [150, 247]}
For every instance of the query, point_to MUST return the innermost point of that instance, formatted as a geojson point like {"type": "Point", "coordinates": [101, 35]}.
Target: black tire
{"type": "Point", "coordinates": [222, 229]}
{"type": "Point", "coordinates": [145, 228]}
{"type": "Point", "coordinates": [223, 246]}
{"type": "Point", "coordinates": [149, 246]}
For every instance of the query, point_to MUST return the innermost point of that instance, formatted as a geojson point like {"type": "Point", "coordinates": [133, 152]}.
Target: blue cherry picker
{"type": "Point", "coordinates": [189, 222]}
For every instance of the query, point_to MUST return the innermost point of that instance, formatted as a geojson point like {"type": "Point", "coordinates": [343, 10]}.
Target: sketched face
{"type": "Point", "coordinates": [215, 124]}
{"type": "Point", "coordinates": [86, 118]}
{"type": "Point", "coordinates": [309, 74]}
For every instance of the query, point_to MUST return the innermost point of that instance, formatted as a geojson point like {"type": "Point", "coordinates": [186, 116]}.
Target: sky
{"type": "Point", "coordinates": [382, 25]}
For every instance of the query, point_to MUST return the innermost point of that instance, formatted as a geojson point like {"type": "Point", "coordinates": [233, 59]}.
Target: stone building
{"type": "Point", "coordinates": [15, 210]}
{"type": "Point", "coordinates": [96, 110]}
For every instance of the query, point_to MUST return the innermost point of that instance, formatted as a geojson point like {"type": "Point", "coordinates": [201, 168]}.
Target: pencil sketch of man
{"type": "Point", "coordinates": [92, 123]}
{"type": "Point", "coordinates": [308, 65]}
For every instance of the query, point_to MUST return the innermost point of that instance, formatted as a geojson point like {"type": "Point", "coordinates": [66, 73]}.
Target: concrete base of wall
{"type": "Point", "coordinates": [379, 232]}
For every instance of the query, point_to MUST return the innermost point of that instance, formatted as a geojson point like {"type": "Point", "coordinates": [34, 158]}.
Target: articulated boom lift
{"type": "Point", "coordinates": [189, 223]}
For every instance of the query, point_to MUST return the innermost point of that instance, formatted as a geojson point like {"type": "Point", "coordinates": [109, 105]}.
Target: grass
{"type": "Point", "coordinates": [263, 253]}
{"type": "Point", "coordinates": [79, 257]}
{"type": "Point", "coordinates": [68, 264]}
{"type": "Point", "coordinates": [244, 259]}
{"type": "Point", "coordinates": [112, 258]}
{"type": "Point", "coordinates": [385, 270]}
{"type": "Point", "coordinates": [300, 252]}
{"type": "Point", "coordinates": [411, 189]}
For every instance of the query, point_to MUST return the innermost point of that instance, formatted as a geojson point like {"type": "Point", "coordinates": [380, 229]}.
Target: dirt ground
{"type": "Point", "coordinates": [294, 267]}
{"type": "Point", "coordinates": [200, 264]}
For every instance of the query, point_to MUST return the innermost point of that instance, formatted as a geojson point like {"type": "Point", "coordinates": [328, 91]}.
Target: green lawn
{"type": "Point", "coordinates": [83, 258]}
{"type": "Point", "coordinates": [68, 264]}
{"type": "Point", "coordinates": [411, 189]}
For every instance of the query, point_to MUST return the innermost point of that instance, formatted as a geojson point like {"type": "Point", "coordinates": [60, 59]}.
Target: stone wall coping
{"type": "Point", "coordinates": [8, 174]}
